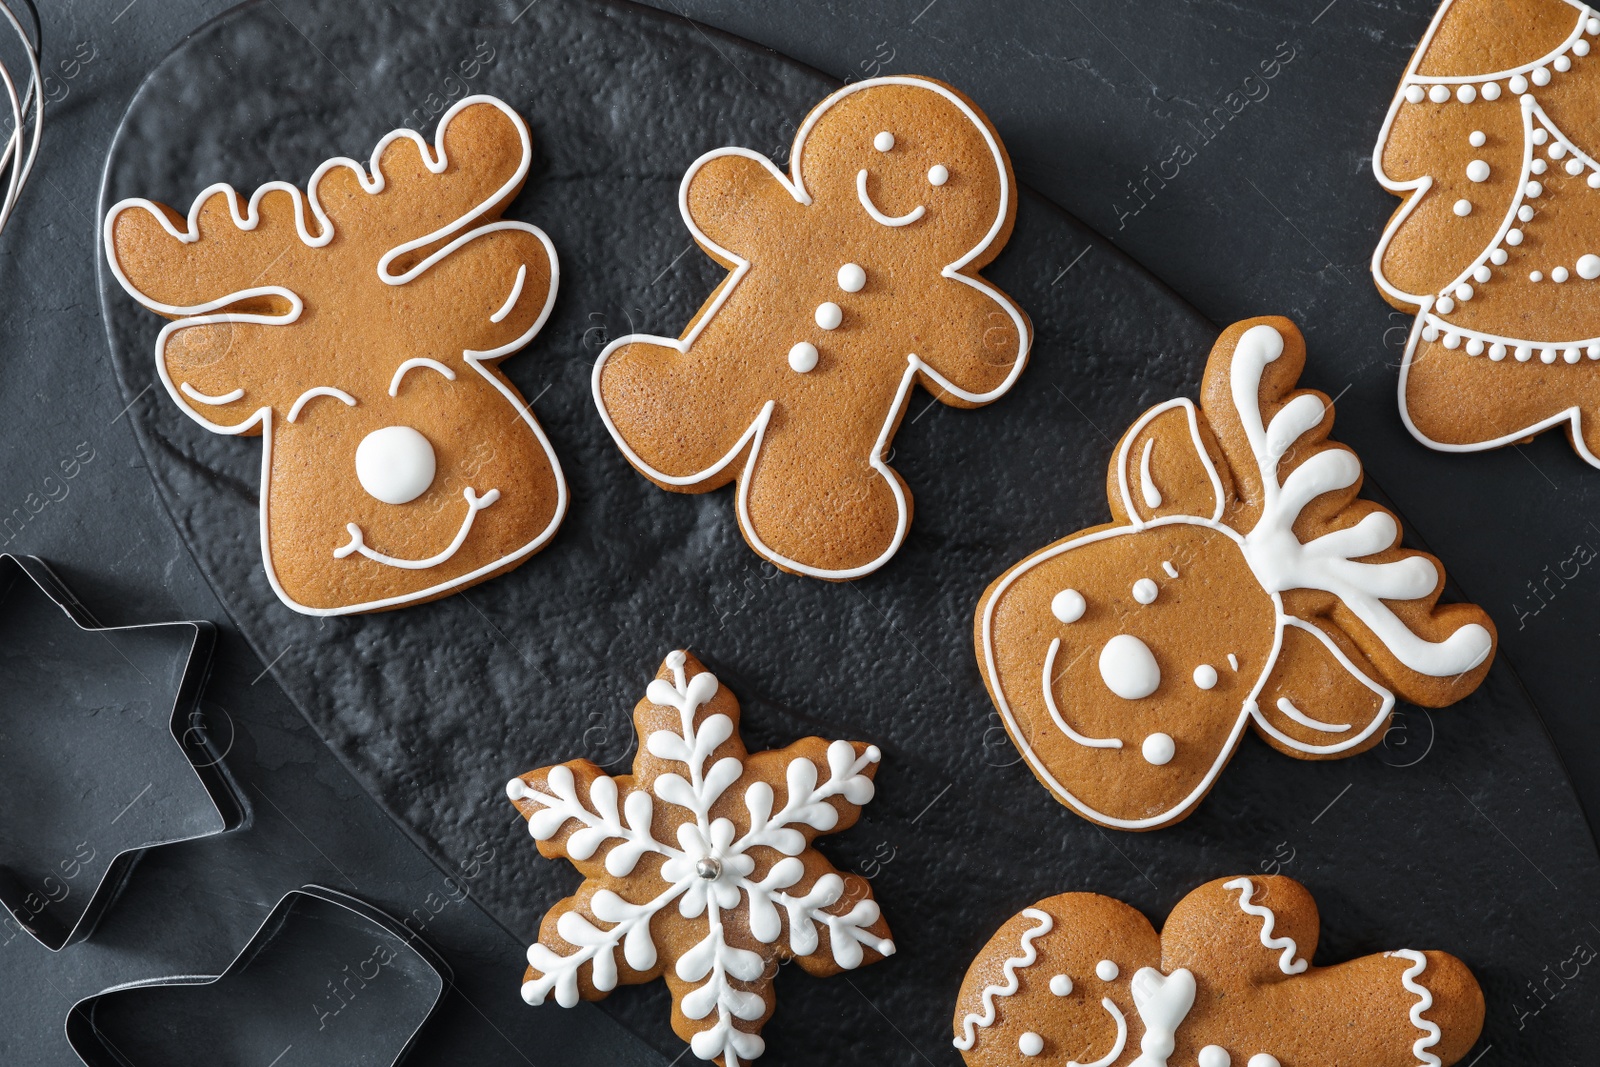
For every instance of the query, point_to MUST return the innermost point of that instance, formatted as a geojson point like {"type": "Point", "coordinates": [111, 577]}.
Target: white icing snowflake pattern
{"type": "Point", "coordinates": [699, 825]}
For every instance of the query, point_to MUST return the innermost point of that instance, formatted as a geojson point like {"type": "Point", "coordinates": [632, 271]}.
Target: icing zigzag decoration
{"type": "Point", "coordinates": [698, 867]}
{"type": "Point", "coordinates": [1100, 988]}
{"type": "Point", "coordinates": [357, 328]}
{"type": "Point", "coordinates": [1241, 582]}
{"type": "Point", "coordinates": [1492, 144]}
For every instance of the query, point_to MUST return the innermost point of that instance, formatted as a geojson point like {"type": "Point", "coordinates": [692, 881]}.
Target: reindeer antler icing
{"type": "Point", "coordinates": [1329, 562]}
{"type": "Point", "coordinates": [1241, 582]}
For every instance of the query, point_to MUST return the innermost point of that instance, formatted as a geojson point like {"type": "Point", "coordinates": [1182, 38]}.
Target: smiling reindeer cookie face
{"type": "Point", "coordinates": [1242, 582]}
{"type": "Point", "coordinates": [356, 328]}
{"type": "Point", "coordinates": [855, 277]}
{"type": "Point", "coordinates": [1084, 980]}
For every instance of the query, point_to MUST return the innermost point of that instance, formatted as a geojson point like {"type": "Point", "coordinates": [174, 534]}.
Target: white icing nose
{"type": "Point", "coordinates": [1129, 668]}
{"type": "Point", "coordinates": [395, 464]}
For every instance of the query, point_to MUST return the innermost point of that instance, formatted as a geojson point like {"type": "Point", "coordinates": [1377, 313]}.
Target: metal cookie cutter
{"type": "Point", "coordinates": [327, 979]}
{"type": "Point", "coordinates": [103, 753]}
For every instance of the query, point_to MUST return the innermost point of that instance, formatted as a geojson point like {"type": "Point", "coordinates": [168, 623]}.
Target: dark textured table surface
{"type": "Point", "coordinates": [1277, 212]}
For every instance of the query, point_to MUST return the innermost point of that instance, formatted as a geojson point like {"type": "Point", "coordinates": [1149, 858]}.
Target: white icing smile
{"type": "Point", "coordinates": [1122, 1037]}
{"type": "Point", "coordinates": [475, 504]}
{"type": "Point", "coordinates": [878, 216]}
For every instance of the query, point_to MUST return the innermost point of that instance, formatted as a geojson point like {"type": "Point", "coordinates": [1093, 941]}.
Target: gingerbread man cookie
{"type": "Point", "coordinates": [698, 867]}
{"type": "Point", "coordinates": [855, 277]}
{"type": "Point", "coordinates": [1085, 980]}
{"type": "Point", "coordinates": [1241, 582]}
{"type": "Point", "coordinates": [357, 328]}
{"type": "Point", "coordinates": [1495, 248]}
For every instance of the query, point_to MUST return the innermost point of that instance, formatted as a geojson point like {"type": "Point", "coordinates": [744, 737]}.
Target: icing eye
{"type": "Point", "coordinates": [884, 141]}
{"type": "Point", "coordinates": [1030, 1044]}
{"type": "Point", "coordinates": [1158, 749]}
{"type": "Point", "coordinates": [1145, 591]}
{"type": "Point", "coordinates": [1205, 676]}
{"type": "Point", "coordinates": [852, 278]}
{"type": "Point", "coordinates": [1061, 985]}
{"type": "Point", "coordinates": [938, 174]}
{"type": "Point", "coordinates": [1215, 1056]}
{"type": "Point", "coordinates": [1129, 668]}
{"type": "Point", "coordinates": [1107, 970]}
{"type": "Point", "coordinates": [1068, 605]}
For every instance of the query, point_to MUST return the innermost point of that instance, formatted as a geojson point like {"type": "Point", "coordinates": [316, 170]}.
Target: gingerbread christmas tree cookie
{"type": "Point", "coordinates": [1241, 583]}
{"type": "Point", "coordinates": [854, 279]}
{"type": "Point", "coordinates": [1492, 144]}
{"type": "Point", "coordinates": [698, 867]}
{"type": "Point", "coordinates": [1084, 980]}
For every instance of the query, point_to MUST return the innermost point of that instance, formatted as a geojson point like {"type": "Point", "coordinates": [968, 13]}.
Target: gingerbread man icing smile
{"type": "Point", "coordinates": [854, 278]}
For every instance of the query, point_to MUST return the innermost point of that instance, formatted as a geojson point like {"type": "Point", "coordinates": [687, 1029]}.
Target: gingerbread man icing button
{"type": "Point", "coordinates": [1084, 980]}
{"type": "Point", "coordinates": [854, 279]}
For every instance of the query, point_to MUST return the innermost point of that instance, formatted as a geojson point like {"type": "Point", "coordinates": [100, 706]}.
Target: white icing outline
{"type": "Point", "coordinates": [878, 216]}
{"type": "Point", "coordinates": [1029, 955]}
{"type": "Point", "coordinates": [752, 436]}
{"type": "Point", "coordinates": [358, 543]}
{"type": "Point", "coordinates": [311, 394]}
{"type": "Point", "coordinates": [1415, 190]}
{"type": "Point", "coordinates": [1285, 946]}
{"type": "Point", "coordinates": [1430, 1030]}
{"type": "Point", "coordinates": [1328, 563]}
{"type": "Point", "coordinates": [1050, 702]}
{"type": "Point", "coordinates": [208, 313]}
{"type": "Point", "coordinates": [516, 293]}
{"type": "Point", "coordinates": [423, 361]}
{"type": "Point", "coordinates": [216, 401]}
{"type": "Point", "coordinates": [1122, 1037]}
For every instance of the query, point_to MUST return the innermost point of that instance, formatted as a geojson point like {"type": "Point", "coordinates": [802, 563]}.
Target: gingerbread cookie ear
{"type": "Point", "coordinates": [1164, 466]}
{"type": "Point", "coordinates": [1320, 701]}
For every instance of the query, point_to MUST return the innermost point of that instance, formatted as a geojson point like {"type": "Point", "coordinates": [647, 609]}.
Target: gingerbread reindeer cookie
{"type": "Point", "coordinates": [1491, 144]}
{"type": "Point", "coordinates": [854, 278]}
{"type": "Point", "coordinates": [1241, 582]}
{"type": "Point", "coordinates": [1085, 980]}
{"type": "Point", "coordinates": [357, 328]}
{"type": "Point", "coordinates": [699, 867]}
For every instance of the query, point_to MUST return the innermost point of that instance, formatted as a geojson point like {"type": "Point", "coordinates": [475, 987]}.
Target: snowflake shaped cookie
{"type": "Point", "coordinates": [698, 867]}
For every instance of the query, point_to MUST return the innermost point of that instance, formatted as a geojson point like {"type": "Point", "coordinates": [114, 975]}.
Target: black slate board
{"type": "Point", "coordinates": [434, 707]}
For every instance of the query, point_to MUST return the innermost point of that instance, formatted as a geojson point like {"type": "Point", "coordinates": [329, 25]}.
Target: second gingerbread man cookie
{"type": "Point", "coordinates": [855, 277]}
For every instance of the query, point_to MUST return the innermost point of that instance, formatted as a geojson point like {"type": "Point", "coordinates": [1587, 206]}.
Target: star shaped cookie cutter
{"type": "Point", "coordinates": [103, 753]}
{"type": "Point", "coordinates": [371, 984]}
